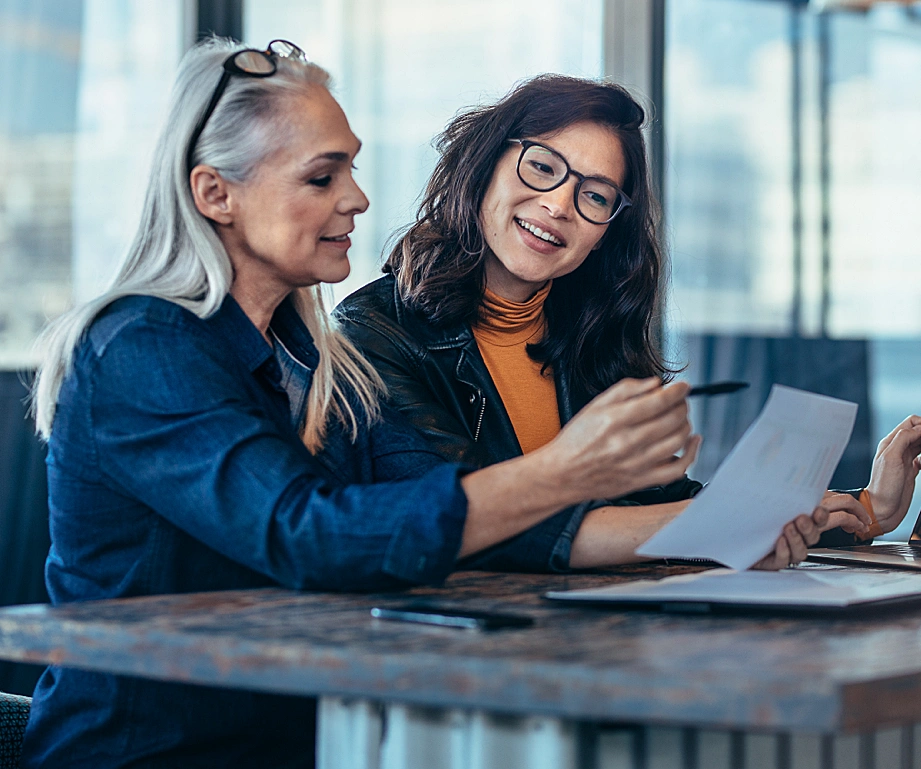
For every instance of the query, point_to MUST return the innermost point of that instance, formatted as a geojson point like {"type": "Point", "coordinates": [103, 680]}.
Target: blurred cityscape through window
{"type": "Point", "coordinates": [83, 86]}
{"type": "Point", "coordinates": [39, 59]}
{"type": "Point", "coordinates": [779, 119]}
{"type": "Point", "coordinates": [793, 183]}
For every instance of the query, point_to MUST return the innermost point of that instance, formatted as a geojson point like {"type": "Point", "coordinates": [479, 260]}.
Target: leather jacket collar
{"type": "Point", "coordinates": [460, 335]}
{"type": "Point", "coordinates": [446, 359]}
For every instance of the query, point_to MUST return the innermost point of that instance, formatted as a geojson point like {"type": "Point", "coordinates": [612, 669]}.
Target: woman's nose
{"type": "Point", "coordinates": [558, 202]}
{"type": "Point", "coordinates": [354, 201]}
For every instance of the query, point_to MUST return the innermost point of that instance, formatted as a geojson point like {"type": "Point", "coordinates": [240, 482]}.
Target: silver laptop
{"type": "Point", "coordinates": [891, 555]}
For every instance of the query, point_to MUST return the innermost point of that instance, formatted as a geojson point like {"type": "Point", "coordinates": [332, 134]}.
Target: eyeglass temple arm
{"type": "Point", "coordinates": [200, 126]}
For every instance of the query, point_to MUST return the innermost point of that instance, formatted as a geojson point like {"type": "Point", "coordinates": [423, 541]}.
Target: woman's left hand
{"type": "Point", "coordinates": [792, 545]}
{"type": "Point", "coordinates": [895, 467]}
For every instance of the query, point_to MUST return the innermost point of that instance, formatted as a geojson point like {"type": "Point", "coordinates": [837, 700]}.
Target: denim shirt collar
{"type": "Point", "coordinates": [232, 323]}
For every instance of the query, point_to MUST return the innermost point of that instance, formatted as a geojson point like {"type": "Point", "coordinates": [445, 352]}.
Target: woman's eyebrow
{"type": "Point", "coordinates": [604, 179]}
{"type": "Point", "coordinates": [589, 176]}
{"type": "Point", "coordinates": [601, 177]}
{"type": "Point", "coordinates": [335, 156]}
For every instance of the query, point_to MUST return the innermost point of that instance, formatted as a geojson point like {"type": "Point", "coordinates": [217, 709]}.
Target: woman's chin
{"type": "Point", "coordinates": [316, 280]}
{"type": "Point", "coordinates": [338, 274]}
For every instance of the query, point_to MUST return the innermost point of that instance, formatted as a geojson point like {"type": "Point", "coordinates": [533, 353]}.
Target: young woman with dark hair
{"type": "Point", "coordinates": [600, 308]}
{"type": "Point", "coordinates": [528, 285]}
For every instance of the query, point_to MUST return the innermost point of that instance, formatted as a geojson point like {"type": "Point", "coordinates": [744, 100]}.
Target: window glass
{"type": "Point", "coordinates": [728, 171]}
{"type": "Point", "coordinates": [38, 90]}
{"type": "Point", "coordinates": [792, 189]}
{"type": "Point", "coordinates": [83, 85]}
{"type": "Point", "coordinates": [129, 56]}
{"type": "Point", "coordinates": [747, 126]}
{"type": "Point", "coordinates": [403, 68]}
{"type": "Point", "coordinates": [874, 73]}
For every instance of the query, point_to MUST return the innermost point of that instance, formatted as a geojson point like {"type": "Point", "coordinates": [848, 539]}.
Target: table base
{"type": "Point", "coordinates": [363, 734]}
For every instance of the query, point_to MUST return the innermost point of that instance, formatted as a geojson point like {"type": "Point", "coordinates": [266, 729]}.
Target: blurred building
{"type": "Point", "coordinates": [39, 59]}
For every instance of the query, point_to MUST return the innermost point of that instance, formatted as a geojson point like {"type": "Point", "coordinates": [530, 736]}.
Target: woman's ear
{"type": "Point", "coordinates": [211, 194]}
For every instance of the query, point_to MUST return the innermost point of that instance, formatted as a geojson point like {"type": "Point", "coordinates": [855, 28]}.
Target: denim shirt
{"type": "Point", "coordinates": [175, 465]}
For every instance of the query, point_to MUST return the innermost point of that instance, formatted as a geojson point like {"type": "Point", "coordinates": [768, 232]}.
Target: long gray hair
{"type": "Point", "coordinates": [176, 254]}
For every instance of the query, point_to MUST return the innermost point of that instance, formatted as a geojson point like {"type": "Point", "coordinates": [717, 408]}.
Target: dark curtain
{"type": "Point", "coordinates": [835, 367]}
{"type": "Point", "coordinates": [24, 536]}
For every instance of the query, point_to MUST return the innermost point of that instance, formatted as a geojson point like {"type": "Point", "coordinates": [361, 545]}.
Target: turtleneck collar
{"type": "Point", "coordinates": [503, 322]}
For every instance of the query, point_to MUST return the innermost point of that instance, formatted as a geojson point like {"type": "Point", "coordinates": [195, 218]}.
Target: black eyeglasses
{"type": "Point", "coordinates": [250, 63]}
{"type": "Point", "coordinates": [543, 169]}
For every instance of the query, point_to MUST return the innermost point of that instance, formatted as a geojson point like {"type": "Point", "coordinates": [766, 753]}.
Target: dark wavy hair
{"type": "Point", "coordinates": [599, 317]}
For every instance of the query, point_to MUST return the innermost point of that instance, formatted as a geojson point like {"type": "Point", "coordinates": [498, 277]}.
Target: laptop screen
{"type": "Point", "coordinates": [916, 531]}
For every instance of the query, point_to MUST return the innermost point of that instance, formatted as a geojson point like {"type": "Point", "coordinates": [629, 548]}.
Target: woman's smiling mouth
{"type": "Point", "coordinates": [538, 232]}
{"type": "Point", "coordinates": [336, 238]}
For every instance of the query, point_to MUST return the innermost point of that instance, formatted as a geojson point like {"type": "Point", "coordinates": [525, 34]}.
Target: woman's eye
{"type": "Point", "coordinates": [321, 181]}
{"type": "Point", "coordinates": [542, 168]}
{"type": "Point", "coordinates": [354, 167]}
{"type": "Point", "coordinates": [597, 199]}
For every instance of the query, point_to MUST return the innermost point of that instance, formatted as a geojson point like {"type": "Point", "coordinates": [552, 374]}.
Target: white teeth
{"type": "Point", "coordinates": [538, 232]}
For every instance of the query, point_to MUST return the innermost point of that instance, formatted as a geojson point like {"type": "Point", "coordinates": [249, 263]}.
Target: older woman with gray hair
{"type": "Point", "coordinates": [209, 428]}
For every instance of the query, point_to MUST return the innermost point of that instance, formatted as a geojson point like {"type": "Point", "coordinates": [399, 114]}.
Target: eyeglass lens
{"type": "Point", "coordinates": [254, 63]}
{"type": "Point", "coordinates": [287, 50]}
{"type": "Point", "coordinates": [543, 169]}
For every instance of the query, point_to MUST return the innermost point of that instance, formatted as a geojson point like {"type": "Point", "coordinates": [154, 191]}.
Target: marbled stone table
{"type": "Point", "coordinates": [581, 688]}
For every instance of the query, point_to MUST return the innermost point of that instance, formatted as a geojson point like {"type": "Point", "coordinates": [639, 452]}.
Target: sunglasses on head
{"type": "Point", "coordinates": [248, 62]}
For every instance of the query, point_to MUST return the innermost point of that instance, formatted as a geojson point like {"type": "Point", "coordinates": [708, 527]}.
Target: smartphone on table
{"type": "Point", "coordinates": [446, 616]}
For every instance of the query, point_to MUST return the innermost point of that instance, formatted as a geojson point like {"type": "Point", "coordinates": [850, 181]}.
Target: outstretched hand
{"type": "Point", "coordinates": [895, 468]}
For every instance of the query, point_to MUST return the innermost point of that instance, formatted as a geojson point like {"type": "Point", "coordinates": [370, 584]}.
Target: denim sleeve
{"type": "Point", "coordinates": [183, 430]}
{"type": "Point", "coordinates": [542, 548]}
{"type": "Point", "coordinates": [398, 450]}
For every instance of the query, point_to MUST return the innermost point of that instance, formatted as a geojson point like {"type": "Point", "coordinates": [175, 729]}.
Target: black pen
{"type": "Point", "coordinates": [717, 388]}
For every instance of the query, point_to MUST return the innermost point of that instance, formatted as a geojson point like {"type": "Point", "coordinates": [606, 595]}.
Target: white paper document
{"type": "Point", "coordinates": [780, 468]}
{"type": "Point", "coordinates": [835, 587]}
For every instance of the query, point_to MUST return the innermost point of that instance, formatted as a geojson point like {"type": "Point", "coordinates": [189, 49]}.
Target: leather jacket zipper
{"type": "Point", "coordinates": [479, 421]}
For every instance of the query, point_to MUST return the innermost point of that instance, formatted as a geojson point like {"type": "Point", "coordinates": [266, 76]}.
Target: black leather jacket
{"type": "Point", "coordinates": [437, 378]}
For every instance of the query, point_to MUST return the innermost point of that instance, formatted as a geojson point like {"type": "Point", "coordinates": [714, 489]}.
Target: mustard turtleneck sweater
{"type": "Point", "coordinates": [504, 330]}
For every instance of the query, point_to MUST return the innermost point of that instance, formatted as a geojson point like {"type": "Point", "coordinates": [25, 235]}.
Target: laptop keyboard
{"type": "Point", "coordinates": [892, 548]}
